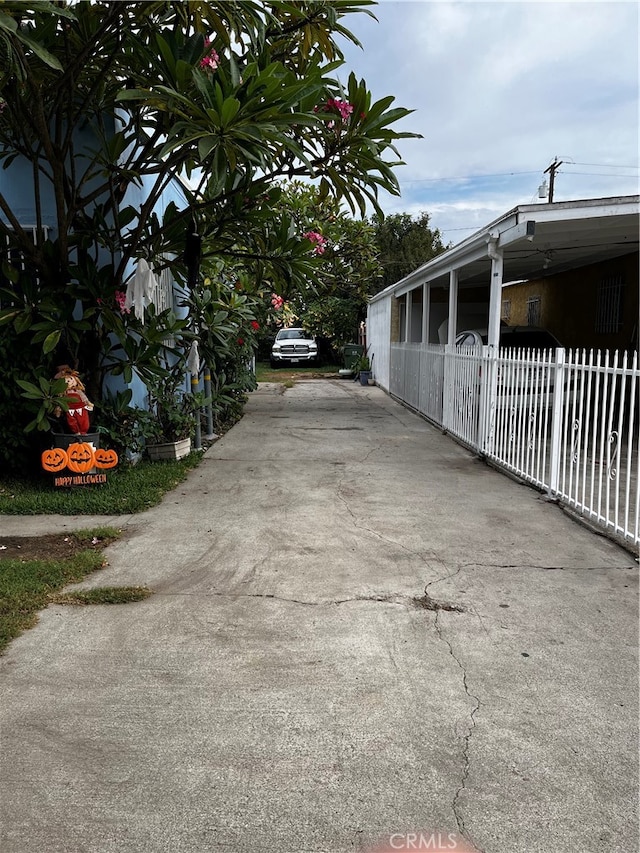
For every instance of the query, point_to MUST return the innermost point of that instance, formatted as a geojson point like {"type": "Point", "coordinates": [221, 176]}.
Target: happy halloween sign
{"type": "Point", "coordinates": [76, 465]}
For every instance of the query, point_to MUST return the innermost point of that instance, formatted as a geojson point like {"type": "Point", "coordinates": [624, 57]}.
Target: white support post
{"type": "Point", "coordinates": [426, 311]}
{"type": "Point", "coordinates": [495, 294]}
{"type": "Point", "coordinates": [449, 350]}
{"type": "Point", "coordinates": [453, 307]}
{"type": "Point", "coordinates": [487, 430]}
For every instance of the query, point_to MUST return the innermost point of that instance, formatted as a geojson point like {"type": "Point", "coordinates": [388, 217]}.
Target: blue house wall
{"type": "Point", "coordinates": [16, 184]}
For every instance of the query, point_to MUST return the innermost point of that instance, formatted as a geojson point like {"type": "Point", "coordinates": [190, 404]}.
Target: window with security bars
{"type": "Point", "coordinates": [162, 296]}
{"type": "Point", "coordinates": [505, 314]}
{"type": "Point", "coordinates": [533, 311]}
{"type": "Point", "coordinates": [14, 258]}
{"type": "Point", "coordinates": [609, 305]}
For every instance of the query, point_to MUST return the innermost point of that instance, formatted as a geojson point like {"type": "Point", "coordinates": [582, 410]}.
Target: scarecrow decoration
{"type": "Point", "coordinates": [77, 417]}
{"type": "Point", "coordinates": [79, 462]}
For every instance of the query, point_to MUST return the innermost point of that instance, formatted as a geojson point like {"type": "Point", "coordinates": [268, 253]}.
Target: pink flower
{"type": "Point", "coordinates": [211, 60]}
{"type": "Point", "coordinates": [255, 325]}
{"type": "Point", "coordinates": [277, 301]}
{"type": "Point", "coordinates": [121, 298]}
{"type": "Point", "coordinates": [318, 240]}
{"type": "Point", "coordinates": [335, 105]}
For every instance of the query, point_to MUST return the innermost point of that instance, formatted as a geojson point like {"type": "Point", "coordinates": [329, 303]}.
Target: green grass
{"type": "Point", "coordinates": [102, 595]}
{"type": "Point", "coordinates": [27, 586]}
{"type": "Point", "coordinates": [129, 489]}
{"type": "Point", "coordinates": [91, 534]}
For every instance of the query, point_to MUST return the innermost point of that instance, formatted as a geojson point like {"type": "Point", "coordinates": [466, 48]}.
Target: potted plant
{"type": "Point", "coordinates": [363, 369]}
{"type": "Point", "coordinates": [169, 423]}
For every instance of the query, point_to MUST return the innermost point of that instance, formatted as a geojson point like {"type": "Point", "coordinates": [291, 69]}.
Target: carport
{"type": "Point", "coordinates": [580, 446]}
{"type": "Point", "coordinates": [531, 241]}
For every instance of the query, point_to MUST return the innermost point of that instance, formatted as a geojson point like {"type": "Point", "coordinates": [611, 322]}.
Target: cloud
{"type": "Point", "coordinates": [501, 88]}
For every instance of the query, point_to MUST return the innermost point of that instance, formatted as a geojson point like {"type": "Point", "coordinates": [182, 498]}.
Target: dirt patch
{"type": "Point", "coordinates": [425, 602]}
{"type": "Point", "coordinates": [54, 546]}
{"type": "Point", "coordinates": [284, 375]}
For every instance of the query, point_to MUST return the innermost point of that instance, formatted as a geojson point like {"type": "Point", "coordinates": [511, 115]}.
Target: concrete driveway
{"type": "Point", "coordinates": [360, 636]}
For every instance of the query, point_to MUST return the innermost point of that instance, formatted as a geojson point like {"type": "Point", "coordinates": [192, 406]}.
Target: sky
{"type": "Point", "coordinates": [499, 91]}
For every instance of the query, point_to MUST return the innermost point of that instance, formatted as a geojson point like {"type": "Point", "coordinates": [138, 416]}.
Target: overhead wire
{"type": "Point", "coordinates": [528, 172]}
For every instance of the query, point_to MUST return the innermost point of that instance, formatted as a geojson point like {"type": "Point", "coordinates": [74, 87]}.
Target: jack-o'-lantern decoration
{"type": "Point", "coordinates": [80, 457]}
{"type": "Point", "coordinates": [54, 460]}
{"type": "Point", "coordinates": [105, 458]}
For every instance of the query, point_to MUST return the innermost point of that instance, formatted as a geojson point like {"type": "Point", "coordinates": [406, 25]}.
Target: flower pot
{"type": "Point", "coordinates": [169, 450]}
{"type": "Point", "coordinates": [365, 376]}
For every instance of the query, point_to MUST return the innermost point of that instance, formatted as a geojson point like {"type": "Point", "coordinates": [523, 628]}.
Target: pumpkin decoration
{"type": "Point", "coordinates": [80, 457]}
{"type": "Point", "coordinates": [105, 458]}
{"type": "Point", "coordinates": [54, 460]}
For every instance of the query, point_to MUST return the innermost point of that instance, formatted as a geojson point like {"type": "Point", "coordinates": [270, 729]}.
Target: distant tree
{"type": "Point", "coordinates": [404, 244]}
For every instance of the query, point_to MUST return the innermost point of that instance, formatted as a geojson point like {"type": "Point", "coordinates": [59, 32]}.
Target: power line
{"type": "Point", "coordinates": [530, 172]}
{"type": "Point", "coordinates": [601, 174]}
{"type": "Point", "coordinates": [607, 165]}
{"type": "Point", "coordinates": [467, 177]}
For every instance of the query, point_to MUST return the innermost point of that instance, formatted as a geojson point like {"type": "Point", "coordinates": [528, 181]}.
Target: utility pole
{"type": "Point", "coordinates": [553, 168]}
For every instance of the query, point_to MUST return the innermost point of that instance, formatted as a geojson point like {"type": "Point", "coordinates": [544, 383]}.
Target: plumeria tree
{"type": "Point", "coordinates": [332, 301]}
{"type": "Point", "coordinates": [103, 106]}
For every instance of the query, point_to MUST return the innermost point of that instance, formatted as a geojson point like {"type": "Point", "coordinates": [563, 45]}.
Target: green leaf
{"type": "Point", "coordinates": [22, 322]}
{"type": "Point", "coordinates": [10, 272]}
{"type": "Point", "coordinates": [40, 51]}
{"type": "Point", "coordinates": [51, 341]}
{"type": "Point", "coordinates": [7, 314]}
{"type": "Point", "coordinates": [230, 110]}
{"type": "Point", "coordinates": [29, 387]}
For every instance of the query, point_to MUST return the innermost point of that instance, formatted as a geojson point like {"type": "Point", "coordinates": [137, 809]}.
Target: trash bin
{"type": "Point", "coordinates": [352, 353]}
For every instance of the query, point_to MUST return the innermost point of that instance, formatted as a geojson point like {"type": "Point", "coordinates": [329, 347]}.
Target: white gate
{"type": "Point", "coordinates": [595, 466]}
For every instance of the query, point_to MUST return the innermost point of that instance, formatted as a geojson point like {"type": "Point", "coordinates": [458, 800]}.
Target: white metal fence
{"type": "Point", "coordinates": [568, 422]}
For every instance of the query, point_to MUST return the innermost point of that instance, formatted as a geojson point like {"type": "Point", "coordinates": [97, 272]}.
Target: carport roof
{"type": "Point", "coordinates": [537, 240]}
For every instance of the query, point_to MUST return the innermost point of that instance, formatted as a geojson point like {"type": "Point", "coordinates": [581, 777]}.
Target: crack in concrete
{"type": "Point", "coordinates": [546, 568]}
{"type": "Point", "coordinates": [413, 602]}
{"type": "Point", "coordinates": [379, 536]}
{"type": "Point", "coordinates": [456, 806]}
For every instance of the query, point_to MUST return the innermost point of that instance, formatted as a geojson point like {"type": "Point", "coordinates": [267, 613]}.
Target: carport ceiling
{"type": "Point", "coordinates": [560, 245]}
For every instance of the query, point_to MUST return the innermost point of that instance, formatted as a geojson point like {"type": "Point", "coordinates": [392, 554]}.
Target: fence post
{"type": "Point", "coordinates": [447, 387]}
{"type": "Point", "coordinates": [210, 435]}
{"type": "Point", "coordinates": [556, 421]}
{"type": "Point", "coordinates": [485, 422]}
{"type": "Point", "coordinates": [197, 439]}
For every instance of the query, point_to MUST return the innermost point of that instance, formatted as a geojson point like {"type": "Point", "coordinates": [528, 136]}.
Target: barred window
{"type": "Point", "coordinates": [14, 258]}
{"type": "Point", "coordinates": [162, 296]}
{"type": "Point", "coordinates": [533, 311]}
{"type": "Point", "coordinates": [609, 306]}
{"type": "Point", "coordinates": [506, 310]}
{"type": "Point", "coordinates": [402, 311]}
